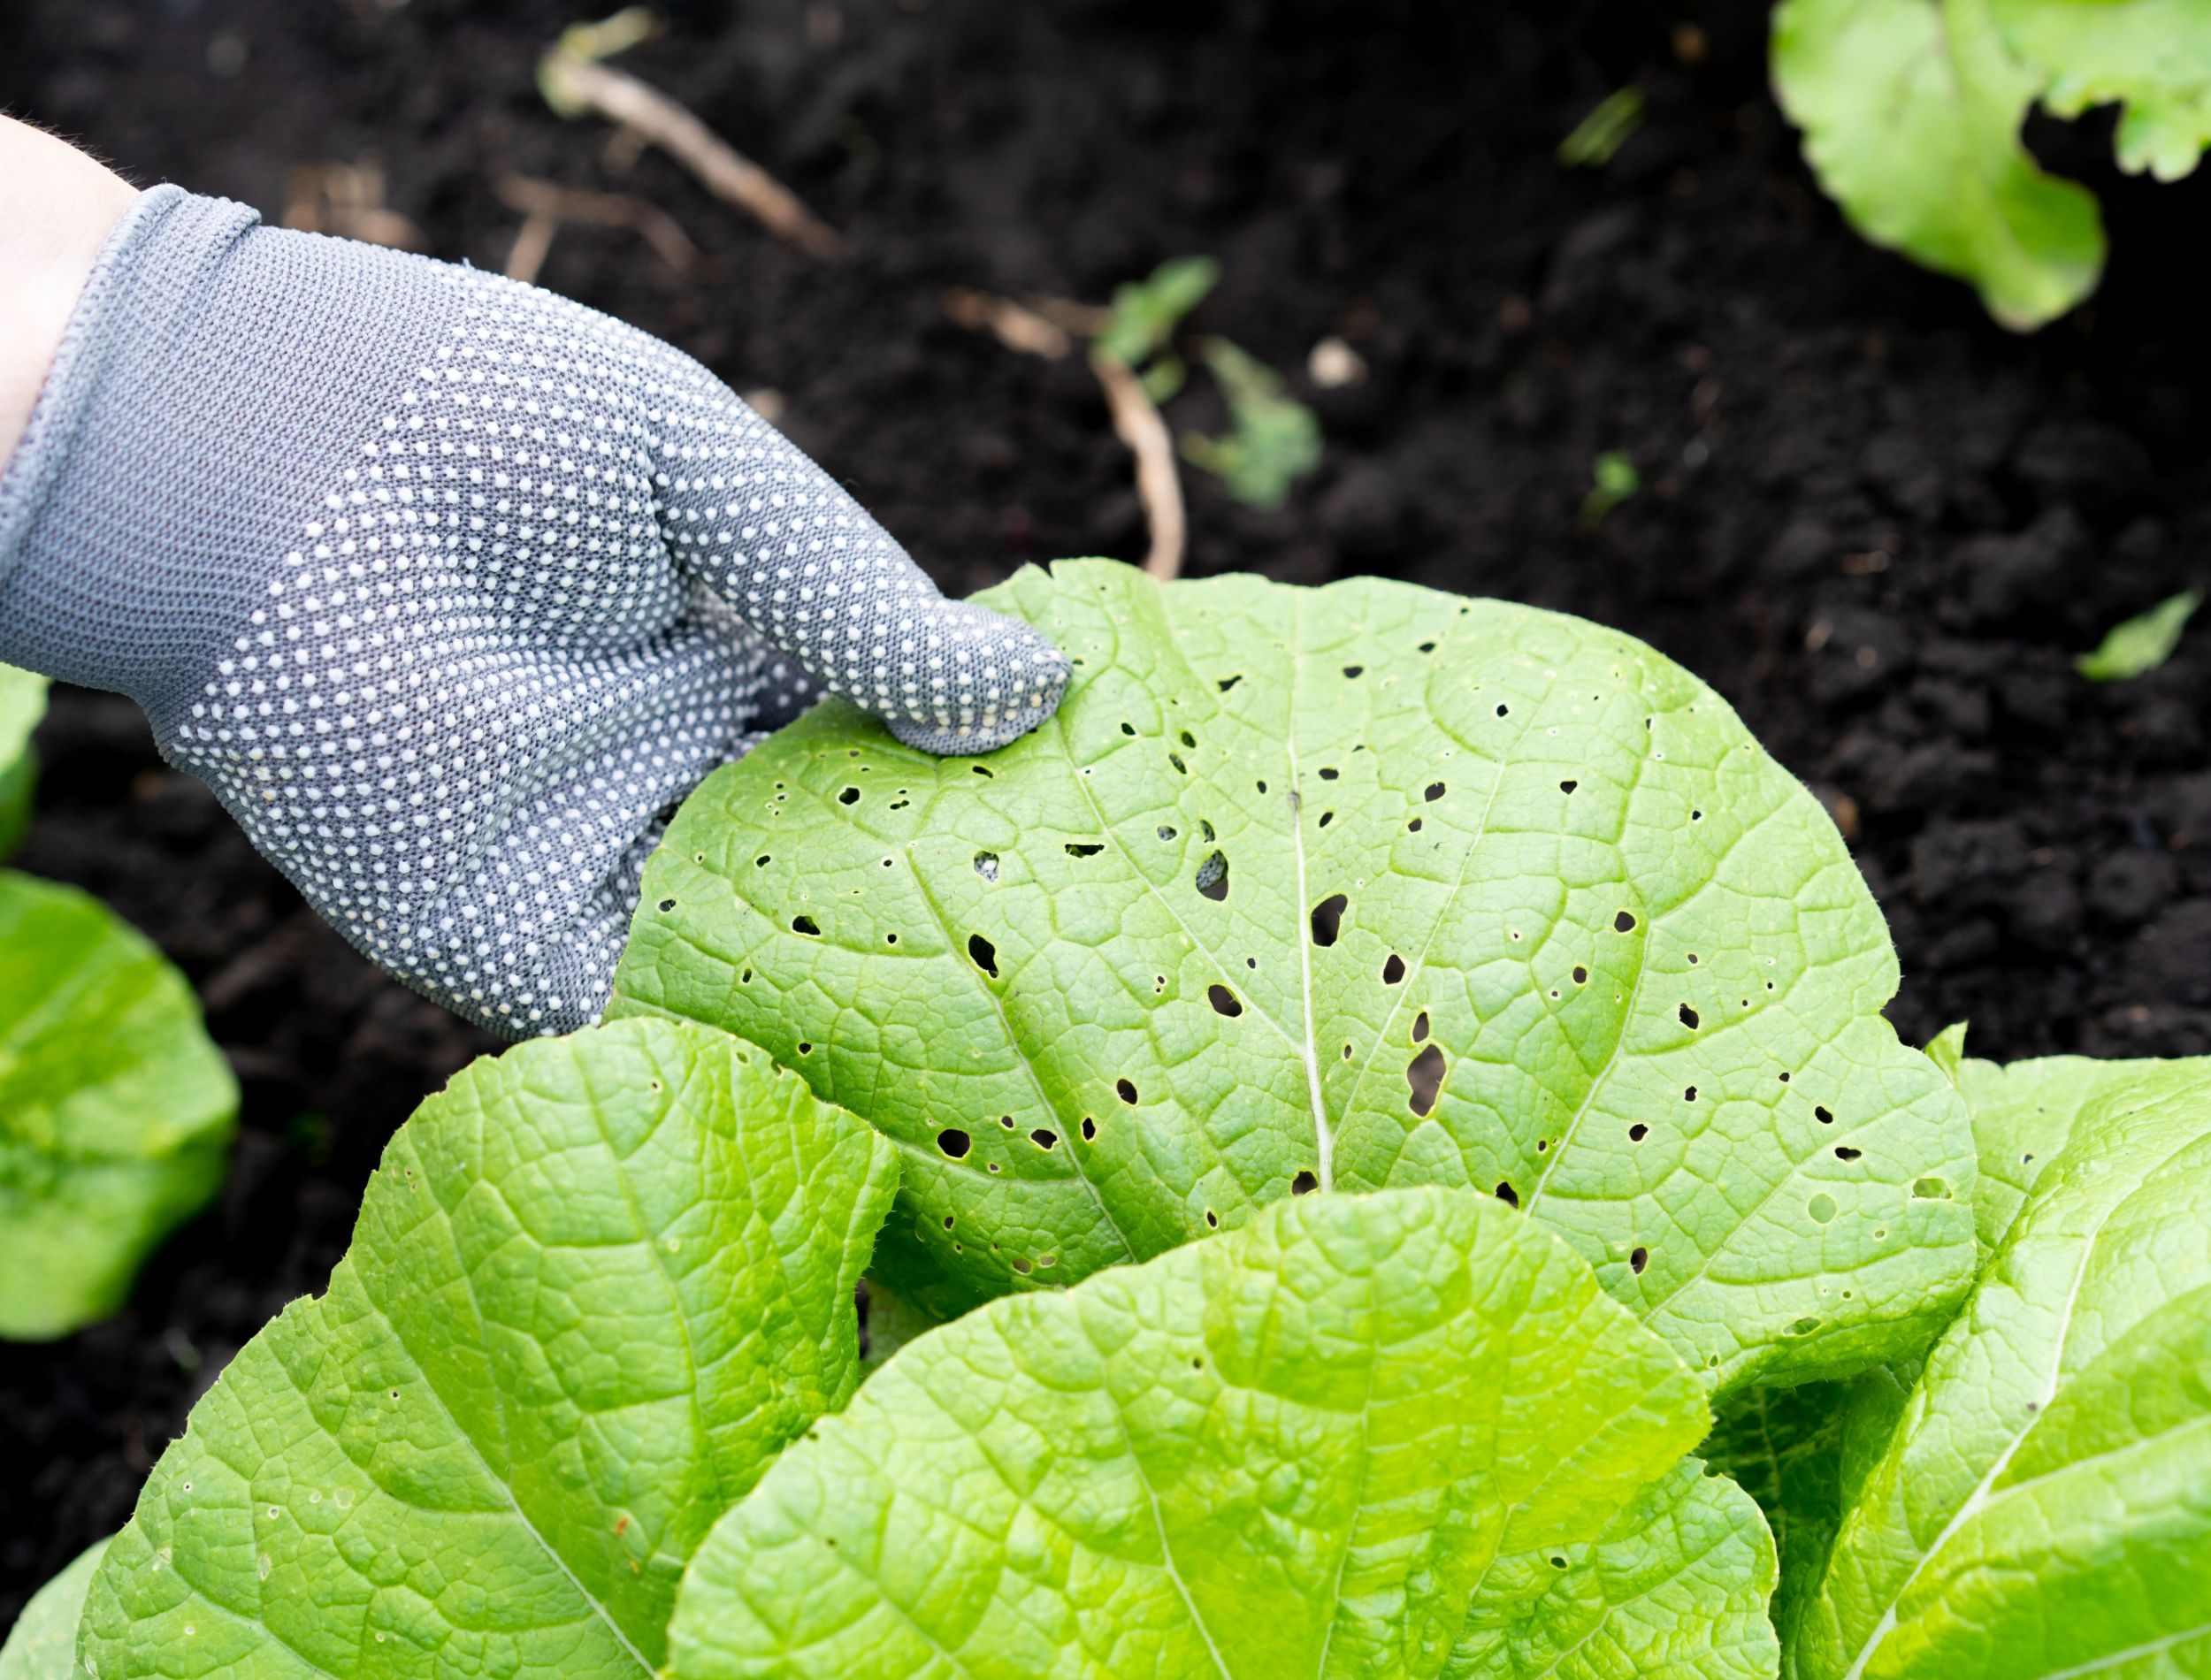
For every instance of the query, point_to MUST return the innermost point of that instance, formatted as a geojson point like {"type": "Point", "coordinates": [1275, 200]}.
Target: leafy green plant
{"type": "Point", "coordinates": [1140, 326]}
{"type": "Point", "coordinates": [1339, 889]}
{"type": "Point", "coordinates": [1612, 480]}
{"type": "Point", "coordinates": [116, 1111]}
{"type": "Point", "coordinates": [1274, 440]}
{"type": "Point", "coordinates": [2031, 1499]}
{"type": "Point", "coordinates": [1911, 111]}
{"type": "Point", "coordinates": [22, 703]}
{"type": "Point", "coordinates": [2140, 644]}
{"type": "Point", "coordinates": [43, 1644]}
{"type": "Point", "coordinates": [601, 1283]}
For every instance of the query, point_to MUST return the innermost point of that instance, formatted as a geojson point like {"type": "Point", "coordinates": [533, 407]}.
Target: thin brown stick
{"type": "Point", "coordinates": [545, 205]}
{"type": "Point", "coordinates": [622, 98]}
{"type": "Point", "coordinates": [1138, 422]}
{"type": "Point", "coordinates": [1015, 327]}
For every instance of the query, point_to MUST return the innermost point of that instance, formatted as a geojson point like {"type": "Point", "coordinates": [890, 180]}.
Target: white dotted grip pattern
{"type": "Point", "coordinates": [454, 662]}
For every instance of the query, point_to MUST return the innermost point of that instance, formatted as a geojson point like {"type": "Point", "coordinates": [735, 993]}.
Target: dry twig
{"type": "Point", "coordinates": [348, 200]}
{"type": "Point", "coordinates": [1046, 327]}
{"type": "Point", "coordinates": [1138, 424]}
{"type": "Point", "coordinates": [547, 205]}
{"type": "Point", "coordinates": [573, 80]}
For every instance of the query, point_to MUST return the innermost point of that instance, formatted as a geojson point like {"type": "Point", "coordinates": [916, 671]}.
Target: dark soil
{"type": "Point", "coordinates": [1878, 524]}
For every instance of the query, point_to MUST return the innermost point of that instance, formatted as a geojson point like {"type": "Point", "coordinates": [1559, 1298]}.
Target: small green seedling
{"type": "Point", "coordinates": [1275, 440]}
{"type": "Point", "coordinates": [1612, 480]}
{"type": "Point", "coordinates": [1140, 328]}
{"type": "Point", "coordinates": [1911, 111]}
{"type": "Point", "coordinates": [2141, 644]}
{"type": "Point", "coordinates": [1600, 134]}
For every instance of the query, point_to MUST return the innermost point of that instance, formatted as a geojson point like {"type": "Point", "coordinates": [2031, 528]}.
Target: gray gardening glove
{"type": "Point", "coordinates": [450, 588]}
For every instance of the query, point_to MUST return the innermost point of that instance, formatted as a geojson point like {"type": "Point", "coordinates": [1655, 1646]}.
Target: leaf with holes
{"type": "Point", "coordinates": [1674, 1589]}
{"type": "Point", "coordinates": [1291, 1450]}
{"type": "Point", "coordinates": [116, 1111]}
{"type": "Point", "coordinates": [1339, 889]}
{"type": "Point", "coordinates": [595, 1286]}
{"type": "Point", "coordinates": [2043, 1503]}
{"type": "Point", "coordinates": [43, 1644]}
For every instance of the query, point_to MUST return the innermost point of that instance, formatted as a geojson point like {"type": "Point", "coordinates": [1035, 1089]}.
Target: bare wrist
{"type": "Point", "coordinates": [56, 209]}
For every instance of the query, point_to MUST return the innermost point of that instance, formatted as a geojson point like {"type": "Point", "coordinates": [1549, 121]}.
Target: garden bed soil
{"type": "Point", "coordinates": [1876, 524]}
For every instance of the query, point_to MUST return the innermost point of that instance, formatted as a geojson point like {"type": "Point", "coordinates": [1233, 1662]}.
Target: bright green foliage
{"type": "Point", "coordinates": [2153, 55]}
{"type": "Point", "coordinates": [43, 1644]}
{"type": "Point", "coordinates": [1674, 1589]}
{"type": "Point", "coordinates": [1291, 1450]}
{"type": "Point", "coordinates": [1140, 331]}
{"type": "Point", "coordinates": [1612, 480]}
{"type": "Point", "coordinates": [1275, 440]}
{"type": "Point", "coordinates": [596, 1285]}
{"type": "Point", "coordinates": [22, 703]}
{"type": "Point", "coordinates": [2042, 1502]}
{"type": "Point", "coordinates": [1600, 134]}
{"type": "Point", "coordinates": [116, 1112]}
{"type": "Point", "coordinates": [1361, 887]}
{"type": "Point", "coordinates": [2141, 644]}
{"type": "Point", "coordinates": [1911, 111]}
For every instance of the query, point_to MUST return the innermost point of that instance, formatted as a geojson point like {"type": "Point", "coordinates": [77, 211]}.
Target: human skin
{"type": "Point", "coordinates": [57, 207]}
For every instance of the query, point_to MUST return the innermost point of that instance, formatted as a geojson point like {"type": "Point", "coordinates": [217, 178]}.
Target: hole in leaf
{"type": "Point", "coordinates": [1005, 1120]}
{"type": "Point", "coordinates": [1803, 1327]}
{"type": "Point", "coordinates": [1328, 772]}
{"type": "Point", "coordinates": [983, 769]}
{"type": "Point", "coordinates": [1414, 827]}
{"type": "Point", "coordinates": [1212, 877]}
{"type": "Point", "coordinates": [1165, 832]}
{"type": "Point", "coordinates": [1127, 1090]}
{"type": "Point", "coordinates": [1394, 970]}
{"type": "Point", "coordinates": [1428, 647]}
{"type": "Point", "coordinates": [1638, 1260]}
{"type": "Point", "coordinates": [1079, 849]}
{"type": "Point", "coordinates": [806, 925]}
{"type": "Point", "coordinates": [1128, 728]}
{"type": "Point", "coordinates": [1689, 1094]}
{"type": "Point", "coordinates": [1930, 1190]}
{"type": "Point", "coordinates": [1353, 670]}
{"type": "Point", "coordinates": [1823, 1116]}
{"type": "Point", "coordinates": [889, 939]}
{"type": "Point", "coordinates": [1507, 1195]}
{"type": "Point", "coordinates": [1326, 817]}
{"type": "Point", "coordinates": [1822, 1208]}
{"type": "Point", "coordinates": [667, 905]}
{"type": "Point", "coordinates": [1688, 1018]}
{"type": "Point", "coordinates": [1304, 1183]}
{"type": "Point", "coordinates": [763, 860]}
{"type": "Point", "coordinates": [953, 1141]}
{"type": "Point", "coordinates": [1212, 1219]}
{"type": "Point", "coordinates": [1503, 709]}
{"type": "Point", "coordinates": [1638, 1132]}
{"type": "Point", "coordinates": [1624, 923]}
{"type": "Point", "coordinates": [1044, 1137]}
{"type": "Point", "coordinates": [1581, 975]}
{"type": "Point", "coordinates": [986, 865]}
{"type": "Point", "coordinates": [983, 954]}
{"type": "Point", "coordinates": [1435, 791]}
{"type": "Point", "coordinates": [1021, 1265]}
{"type": "Point", "coordinates": [1090, 1129]}
{"type": "Point", "coordinates": [1189, 740]}
{"type": "Point", "coordinates": [1425, 1076]}
{"type": "Point", "coordinates": [1223, 1000]}
{"type": "Point", "coordinates": [1568, 787]}
{"type": "Point", "coordinates": [1176, 759]}
{"type": "Point", "coordinates": [1205, 831]}
{"type": "Point", "coordinates": [850, 796]}
{"type": "Point", "coordinates": [1327, 918]}
{"type": "Point", "coordinates": [1420, 1027]}
{"type": "Point", "coordinates": [1228, 682]}
{"type": "Point", "coordinates": [1844, 1152]}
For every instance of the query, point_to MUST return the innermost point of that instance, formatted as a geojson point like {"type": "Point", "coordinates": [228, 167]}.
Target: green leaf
{"type": "Point", "coordinates": [1599, 135]}
{"type": "Point", "coordinates": [1361, 887]}
{"type": "Point", "coordinates": [22, 703]}
{"type": "Point", "coordinates": [1276, 440]}
{"type": "Point", "coordinates": [2153, 55]}
{"type": "Point", "coordinates": [43, 1644]}
{"type": "Point", "coordinates": [1287, 1451]}
{"type": "Point", "coordinates": [1674, 1589]}
{"type": "Point", "coordinates": [2041, 1506]}
{"type": "Point", "coordinates": [1146, 313]}
{"type": "Point", "coordinates": [2141, 644]}
{"type": "Point", "coordinates": [116, 1112]}
{"type": "Point", "coordinates": [596, 1285]}
{"type": "Point", "coordinates": [1911, 111]}
{"type": "Point", "coordinates": [1612, 480]}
